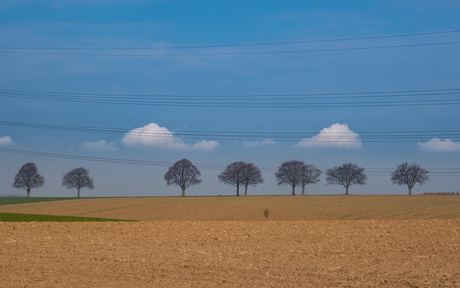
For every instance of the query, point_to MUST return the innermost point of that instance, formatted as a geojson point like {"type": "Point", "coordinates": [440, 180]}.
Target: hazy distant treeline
{"type": "Point", "coordinates": [441, 193]}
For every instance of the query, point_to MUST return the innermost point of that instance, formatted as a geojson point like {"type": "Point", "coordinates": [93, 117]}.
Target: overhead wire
{"type": "Point", "coordinates": [311, 95]}
{"type": "Point", "coordinates": [239, 45]}
{"type": "Point", "coordinates": [232, 53]}
{"type": "Point", "coordinates": [446, 171]}
{"type": "Point", "coordinates": [305, 100]}
{"type": "Point", "coordinates": [280, 136]}
{"type": "Point", "coordinates": [448, 96]}
{"type": "Point", "coordinates": [147, 51]}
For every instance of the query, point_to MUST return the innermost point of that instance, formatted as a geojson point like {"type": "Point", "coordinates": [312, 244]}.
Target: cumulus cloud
{"type": "Point", "coordinates": [100, 145]}
{"type": "Point", "coordinates": [336, 136]}
{"type": "Point", "coordinates": [5, 140]}
{"type": "Point", "coordinates": [154, 135]}
{"type": "Point", "coordinates": [439, 145]}
{"type": "Point", "coordinates": [205, 145]}
{"type": "Point", "coordinates": [264, 142]}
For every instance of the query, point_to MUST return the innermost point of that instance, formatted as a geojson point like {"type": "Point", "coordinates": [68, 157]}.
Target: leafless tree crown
{"type": "Point", "coordinates": [241, 173]}
{"type": "Point", "coordinates": [78, 178]}
{"type": "Point", "coordinates": [296, 173]}
{"type": "Point", "coordinates": [183, 174]}
{"type": "Point", "coordinates": [346, 175]}
{"type": "Point", "coordinates": [409, 174]}
{"type": "Point", "coordinates": [28, 178]}
{"type": "Point", "coordinates": [288, 172]}
{"type": "Point", "coordinates": [309, 175]}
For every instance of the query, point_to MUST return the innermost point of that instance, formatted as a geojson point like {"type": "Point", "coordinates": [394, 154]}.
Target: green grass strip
{"type": "Point", "coordinates": [23, 200]}
{"type": "Point", "coordinates": [15, 217]}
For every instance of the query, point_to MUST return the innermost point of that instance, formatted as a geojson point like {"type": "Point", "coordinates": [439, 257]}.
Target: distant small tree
{"type": "Point", "coordinates": [309, 175]}
{"type": "Point", "coordinates": [78, 178]}
{"type": "Point", "coordinates": [183, 174]}
{"type": "Point", "coordinates": [290, 173]}
{"type": "Point", "coordinates": [409, 174]}
{"type": "Point", "coordinates": [241, 173]}
{"type": "Point", "coordinates": [346, 175]}
{"type": "Point", "coordinates": [28, 178]}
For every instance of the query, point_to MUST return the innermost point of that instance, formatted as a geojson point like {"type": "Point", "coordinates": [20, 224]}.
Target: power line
{"type": "Point", "coordinates": [286, 100]}
{"type": "Point", "coordinates": [284, 136]}
{"type": "Point", "coordinates": [87, 158]}
{"type": "Point", "coordinates": [163, 47]}
{"type": "Point", "coordinates": [212, 166]}
{"type": "Point", "coordinates": [299, 51]}
{"type": "Point", "coordinates": [314, 95]}
{"type": "Point", "coordinates": [146, 51]}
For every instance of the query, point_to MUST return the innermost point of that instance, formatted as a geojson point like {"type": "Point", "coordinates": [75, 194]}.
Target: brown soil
{"type": "Point", "coordinates": [251, 208]}
{"type": "Point", "coordinates": [370, 253]}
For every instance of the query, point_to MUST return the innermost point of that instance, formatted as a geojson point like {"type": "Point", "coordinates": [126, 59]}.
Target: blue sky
{"type": "Point", "coordinates": [326, 82]}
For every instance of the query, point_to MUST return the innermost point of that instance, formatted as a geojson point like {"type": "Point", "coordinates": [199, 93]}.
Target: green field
{"type": "Point", "coordinates": [16, 217]}
{"type": "Point", "coordinates": [22, 200]}
{"type": "Point", "coordinates": [19, 217]}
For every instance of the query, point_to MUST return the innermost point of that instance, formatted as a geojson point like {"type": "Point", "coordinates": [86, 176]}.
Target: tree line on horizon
{"type": "Point", "coordinates": [293, 173]}
{"type": "Point", "coordinates": [28, 178]}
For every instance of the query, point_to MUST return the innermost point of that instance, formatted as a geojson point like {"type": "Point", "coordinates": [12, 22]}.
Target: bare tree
{"type": "Point", "coordinates": [78, 178]}
{"type": "Point", "coordinates": [409, 175]}
{"type": "Point", "coordinates": [241, 173]}
{"type": "Point", "coordinates": [289, 173]}
{"type": "Point", "coordinates": [233, 175]}
{"type": "Point", "coordinates": [346, 175]}
{"type": "Point", "coordinates": [309, 175]}
{"type": "Point", "coordinates": [28, 178]}
{"type": "Point", "coordinates": [251, 176]}
{"type": "Point", "coordinates": [183, 174]}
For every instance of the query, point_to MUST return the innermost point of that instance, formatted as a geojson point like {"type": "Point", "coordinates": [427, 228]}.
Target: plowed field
{"type": "Point", "coordinates": [265, 253]}
{"type": "Point", "coordinates": [381, 253]}
{"type": "Point", "coordinates": [369, 207]}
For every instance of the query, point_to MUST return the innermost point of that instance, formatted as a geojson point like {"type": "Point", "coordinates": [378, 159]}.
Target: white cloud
{"type": "Point", "coordinates": [205, 145]}
{"type": "Point", "coordinates": [5, 140]}
{"type": "Point", "coordinates": [439, 145]}
{"type": "Point", "coordinates": [336, 136]}
{"type": "Point", "coordinates": [100, 145]}
{"type": "Point", "coordinates": [264, 142]}
{"type": "Point", "coordinates": [154, 135]}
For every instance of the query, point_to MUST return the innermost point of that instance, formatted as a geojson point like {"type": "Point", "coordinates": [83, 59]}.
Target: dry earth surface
{"type": "Point", "coordinates": [380, 253]}
{"type": "Point", "coordinates": [251, 208]}
{"type": "Point", "coordinates": [377, 252]}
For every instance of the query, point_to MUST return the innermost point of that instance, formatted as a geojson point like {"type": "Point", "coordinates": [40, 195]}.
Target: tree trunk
{"type": "Point", "coordinates": [28, 193]}
{"type": "Point", "coordinates": [410, 190]}
{"type": "Point", "coordinates": [303, 190]}
{"type": "Point", "coordinates": [293, 189]}
{"type": "Point", "coordinates": [346, 190]}
{"type": "Point", "coordinates": [246, 190]}
{"type": "Point", "coordinates": [183, 191]}
{"type": "Point", "coordinates": [237, 190]}
{"type": "Point", "coordinates": [78, 193]}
